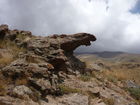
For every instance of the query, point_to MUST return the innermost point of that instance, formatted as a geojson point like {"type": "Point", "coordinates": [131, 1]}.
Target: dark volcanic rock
{"type": "Point", "coordinates": [3, 31]}
{"type": "Point", "coordinates": [71, 42]}
{"type": "Point", "coordinates": [58, 49]}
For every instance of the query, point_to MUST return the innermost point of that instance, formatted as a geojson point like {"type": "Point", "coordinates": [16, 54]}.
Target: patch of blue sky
{"type": "Point", "coordinates": [136, 8]}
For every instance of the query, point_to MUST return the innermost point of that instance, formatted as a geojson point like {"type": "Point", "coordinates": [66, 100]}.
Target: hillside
{"type": "Point", "coordinates": [116, 67]}
{"type": "Point", "coordinates": [37, 70]}
{"type": "Point", "coordinates": [114, 61]}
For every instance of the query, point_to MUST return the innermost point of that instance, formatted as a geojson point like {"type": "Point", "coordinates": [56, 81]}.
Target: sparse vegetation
{"type": "Point", "coordinates": [120, 74]}
{"type": "Point", "coordinates": [3, 90]}
{"type": "Point", "coordinates": [11, 51]}
{"type": "Point", "coordinates": [66, 89]}
{"type": "Point", "coordinates": [109, 101]}
{"type": "Point", "coordinates": [92, 95]}
{"type": "Point", "coordinates": [21, 36]}
{"type": "Point", "coordinates": [5, 61]}
{"type": "Point", "coordinates": [11, 46]}
{"type": "Point", "coordinates": [122, 67]}
{"type": "Point", "coordinates": [35, 96]}
{"type": "Point", "coordinates": [3, 86]}
{"type": "Point", "coordinates": [109, 75]}
{"type": "Point", "coordinates": [135, 92]}
{"type": "Point", "coordinates": [22, 81]}
{"type": "Point", "coordinates": [85, 78]}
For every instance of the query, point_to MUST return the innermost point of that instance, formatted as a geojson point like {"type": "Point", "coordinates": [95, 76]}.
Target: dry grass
{"type": "Point", "coordinates": [3, 85]}
{"type": "Point", "coordinates": [117, 72]}
{"type": "Point", "coordinates": [123, 74]}
{"type": "Point", "coordinates": [3, 90]}
{"type": "Point", "coordinates": [85, 78]}
{"type": "Point", "coordinates": [122, 68]}
{"type": "Point", "coordinates": [11, 51]}
{"type": "Point", "coordinates": [135, 93]}
{"type": "Point", "coordinates": [5, 61]}
{"type": "Point", "coordinates": [9, 45]}
{"type": "Point", "coordinates": [67, 90]}
{"type": "Point", "coordinates": [22, 81]}
{"type": "Point", "coordinates": [109, 101]}
{"type": "Point", "coordinates": [21, 36]}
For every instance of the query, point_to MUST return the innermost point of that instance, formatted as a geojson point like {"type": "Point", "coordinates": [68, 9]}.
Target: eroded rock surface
{"type": "Point", "coordinates": [44, 62]}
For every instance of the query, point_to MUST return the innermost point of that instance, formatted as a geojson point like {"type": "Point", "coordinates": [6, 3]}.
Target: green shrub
{"type": "Point", "coordinates": [134, 92]}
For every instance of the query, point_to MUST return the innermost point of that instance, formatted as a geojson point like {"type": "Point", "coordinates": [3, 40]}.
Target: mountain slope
{"type": "Point", "coordinates": [36, 70]}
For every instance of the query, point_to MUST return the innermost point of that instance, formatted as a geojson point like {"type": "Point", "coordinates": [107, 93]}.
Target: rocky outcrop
{"type": "Point", "coordinates": [37, 70]}
{"type": "Point", "coordinates": [43, 63]}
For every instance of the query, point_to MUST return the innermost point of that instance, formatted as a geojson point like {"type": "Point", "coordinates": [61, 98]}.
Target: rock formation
{"type": "Point", "coordinates": [44, 61]}
{"type": "Point", "coordinates": [37, 70]}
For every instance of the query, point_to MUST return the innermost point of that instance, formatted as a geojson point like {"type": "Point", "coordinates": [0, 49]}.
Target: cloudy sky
{"type": "Point", "coordinates": [116, 23]}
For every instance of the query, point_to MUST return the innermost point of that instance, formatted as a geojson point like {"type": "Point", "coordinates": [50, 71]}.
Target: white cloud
{"type": "Point", "coordinates": [111, 21]}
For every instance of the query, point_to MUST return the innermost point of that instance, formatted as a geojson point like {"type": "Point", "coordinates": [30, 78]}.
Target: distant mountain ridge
{"type": "Point", "coordinates": [107, 54]}
{"type": "Point", "coordinates": [104, 54]}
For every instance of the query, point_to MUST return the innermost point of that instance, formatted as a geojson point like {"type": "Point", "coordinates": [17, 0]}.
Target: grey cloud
{"type": "Point", "coordinates": [41, 17]}
{"type": "Point", "coordinates": [45, 17]}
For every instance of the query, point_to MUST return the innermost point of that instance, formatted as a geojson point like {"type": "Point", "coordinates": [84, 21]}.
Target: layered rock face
{"type": "Point", "coordinates": [42, 64]}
